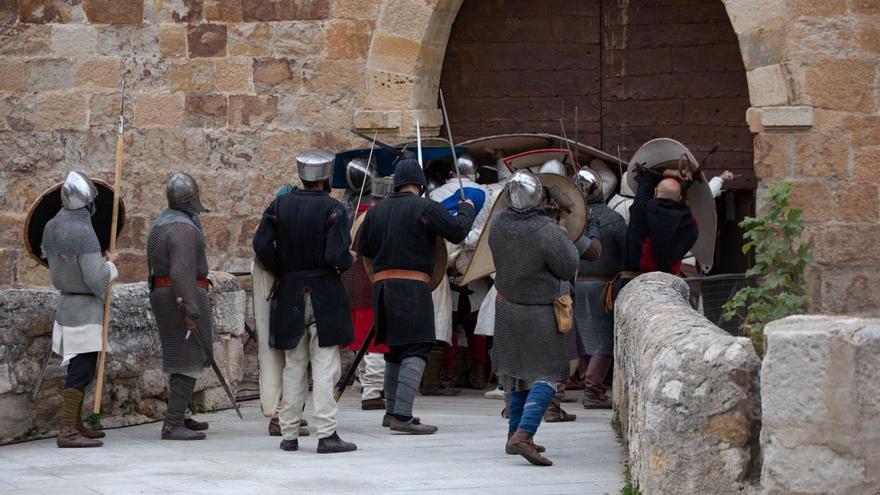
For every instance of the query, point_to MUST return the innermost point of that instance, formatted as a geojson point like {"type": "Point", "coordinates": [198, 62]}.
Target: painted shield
{"type": "Point", "coordinates": [440, 254]}
{"type": "Point", "coordinates": [49, 204]}
{"type": "Point", "coordinates": [665, 153]}
{"type": "Point", "coordinates": [573, 217]}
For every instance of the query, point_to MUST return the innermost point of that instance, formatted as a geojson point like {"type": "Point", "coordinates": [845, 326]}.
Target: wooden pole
{"type": "Point", "coordinates": [108, 296]}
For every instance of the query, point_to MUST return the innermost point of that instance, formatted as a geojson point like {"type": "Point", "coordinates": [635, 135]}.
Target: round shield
{"type": "Point", "coordinates": [440, 255]}
{"type": "Point", "coordinates": [572, 216]}
{"type": "Point", "coordinates": [49, 204]}
{"type": "Point", "coordinates": [665, 153]}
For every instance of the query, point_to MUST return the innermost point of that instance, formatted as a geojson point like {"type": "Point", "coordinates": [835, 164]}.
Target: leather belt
{"type": "Point", "coordinates": [594, 278]}
{"type": "Point", "coordinates": [307, 273]}
{"type": "Point", "coordinates": [166, 282]}
{"type": "Point", "coordinates": [628, 274]}
{"type": "Point", "coordinates": [402, 274]}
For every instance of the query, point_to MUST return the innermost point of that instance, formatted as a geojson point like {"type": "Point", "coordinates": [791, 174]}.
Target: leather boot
{"type": "Point", "coordinates": [555, 413]}
{"type": "Point", "coordinates": [289, 445]}
{"type": "Point", "coordinates": [521, 443]}
{"type": "Point", "coordinates": [180, 432]}
{"type": "Point", "coordinates": [593, 400]}
{"type": "Point", "coordinates": [386, 421]}
{"type": "Point", "coordinates": [477, 377]}
{"type": "Point", "coordinates": [510, 451]}
{"type": "Point", "coordinates": [70, 438]}
{"type": "Point", "coordinates": [333, 444]}
{"type": "Point", "coordinates": [195, 425]}
{"type": "Point", "coordinates": [275, 427]}
{"type": "Point", "coordinates": [83, 429]}
{"type": "Point", "coordinates": [413, 427]}
{"type": "Point", "coordinates": [373, 404]}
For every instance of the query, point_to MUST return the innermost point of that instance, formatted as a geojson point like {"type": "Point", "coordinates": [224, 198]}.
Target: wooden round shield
{"type": "Point", "coordinates": [573, 219]}
{"type": "Point", "coordinates": [440, 254]}
{"type": "Point", "coordinates": [49, 204]}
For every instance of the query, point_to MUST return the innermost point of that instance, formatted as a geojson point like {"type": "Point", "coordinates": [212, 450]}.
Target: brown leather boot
{"type": "Point", "coordinates": [521, 443]}
{"type": "Point", "coordinates": [83, 429]}
{"type": "Point", "coordinates": [593, 400]}
{"type": "Point", "coordinates": [555, 413]}
{"type": "Point", "coordinates": [275, 427]}
{"type": "Point", "coordinates": [510, 451]}
{"type": "Point", "coordinates": [70, 438]}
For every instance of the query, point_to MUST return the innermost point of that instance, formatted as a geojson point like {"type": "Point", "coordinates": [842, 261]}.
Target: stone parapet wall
{"type": "Point", "coordinates": [821, 406]}
{"type": "Point", "coordinates": [135, 386]}
{"type": "Point", "coordinates": [686, 393]}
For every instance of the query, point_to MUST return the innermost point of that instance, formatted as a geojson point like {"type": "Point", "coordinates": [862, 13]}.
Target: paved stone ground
{"type": "Point", "coordinates": [466, 456]}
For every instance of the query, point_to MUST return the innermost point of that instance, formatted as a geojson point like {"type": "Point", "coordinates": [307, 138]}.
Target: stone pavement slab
{"type": "Point", "coordinates": [466, 456]}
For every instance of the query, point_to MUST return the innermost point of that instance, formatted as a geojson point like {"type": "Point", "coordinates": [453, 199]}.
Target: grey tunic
{"type": "Point", "coordinates": [533, 258]}
{"type": "Point", "coordinates": [79, 271]}
{"type": "Point", "coordinates": [176, 249]}
{"type": "Point", "coordinates": [596, 326]}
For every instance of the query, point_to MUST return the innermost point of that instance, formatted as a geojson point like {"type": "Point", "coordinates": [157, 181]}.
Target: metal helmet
{"type": "Point", "coordinates": [590, 183]}
{"type": "Point", "coordinates": [183, 189]}
{"type": "Point", "coordinates": [434, 182]}
{"type": "Point", "coordinates": [78, 191]}
{"type": "Point", "coordinates": [553, 166]}
{"type": "Point", "coordinates": [315, 165]}
{"type": "Point", "coordinates": [524, 190]}
{"type": "Point", "coordinates": [466, 166]}
{"type": "Point", "coordinates": [356, 173]}
{"type": "Point", "coordinates": [382, 186]}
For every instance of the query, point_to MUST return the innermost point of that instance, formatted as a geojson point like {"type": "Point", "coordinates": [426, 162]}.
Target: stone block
{"type": "Point", "coordinates": [134, 41]}
{"type": "Point", "coordinates": [349, 39]}
{"type": "Point", "coordinates": [62, 111]}
{"type": "Point", "coordinates": [158, 110]}
{"type": "Point", "coordinates": [685, 392]}
{"type": "Point", "coordinates": [250, 39]}
{"type": "Point", "coordinates": [394, 54]}
{"type": "Point", "coordinates": [16, 416]}
{"type": "Point", "coordinates": [284, 10]}
{"type": "Point", "coordinates": [14, 75]}
{"type": "Point", "coordinates": [229, 313]}
{"type": "Point", "coordinates": [74, 40]}
{"type": "Point", "coordinates": [207, 40]}
{"type": "Point", "coordinates": [158, 11]}
{"type": "Point", "coordinates": [276, 74]}
{"type": "Point", "coordinates": [297, 39]}
{"type": "Point", "coordinates": [377, 119]}
{"type": "Point", "coordinates": [29, 273]}
{"type": "Point", "coordinates": [27, 39]}
{"type": "Point", "coordinates": [114, 11]}
{"type": "Point", "coordinates": [205, 110]}
{"type": "Point", "coordinates": [355, 9]}
{"type": "Point", "coordinates": [822, 155]}
{"type": "Point", "coordinates": [813, 197]}
{"type": "Point", "coordinates": [8, 257]}
{"type": "Point", "coordinates": [172, 40]}
{"type": "Point", "coordinates": [99, 72]}
{"type": "Point", "coordinates": [233, 75]}
{"type": "Point", "coordinates": [104, 110]}
{"type": "Point", "coordinates": [50, 74]}
{"type": "Point", "coordinates": [332, 79]}
{"type": "Point", "coordinates": [866, 164]}
{"type": "Point", "coordinates": [192, 75]}
{"type": "Point", "coordinates": [252, 111]}
{"type": "Point", "coordinates": [48, 11]}
{"type": "Point", "coordinates": [817, 8]}
{"type": "Point", "coordinates": [279, 153]}
{"type": "Point", "coordinates": [841, 84]}
{"type": "Point", "coordinates": [863, 7]}
{"type": "Point", "coordinates": [223, 10]}
{"type": "Point", "coordinates": [847, 289]}
{"type": "Point", "coordinates": [848, 243]}
{"type": "Point", "coordinates": [869, 38]}
{"type": "Point", "coordinates": [768, 86]}
{"type": "Point", "coordinates": [856, 202]}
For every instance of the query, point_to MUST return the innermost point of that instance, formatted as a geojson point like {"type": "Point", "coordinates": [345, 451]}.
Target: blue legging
{"type": "Point", "coordinates": [527, 408]}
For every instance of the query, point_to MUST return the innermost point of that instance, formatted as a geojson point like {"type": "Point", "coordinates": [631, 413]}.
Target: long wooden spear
{"type": "Point", "coordinates": [108, 296]}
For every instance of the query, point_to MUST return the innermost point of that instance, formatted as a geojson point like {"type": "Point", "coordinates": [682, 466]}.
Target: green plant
{"type": "Point", "coordinates": [780, 261]}
{"type": "Point", "coordinates": [94, 421]}
{"type": "Point", "coordinates": [628, 488]}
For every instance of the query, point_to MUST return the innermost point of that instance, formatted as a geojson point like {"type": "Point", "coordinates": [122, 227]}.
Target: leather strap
{"type": "Point", "coordinates": [402, 274]}
{"type": "Point", "coordinates": [166, 282]}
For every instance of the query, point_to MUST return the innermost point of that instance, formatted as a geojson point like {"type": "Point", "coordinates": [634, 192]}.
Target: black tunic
{"type": "Point", "coordinates": [400, 233]}
{"type": "Point", "coordinates": [304, 240]}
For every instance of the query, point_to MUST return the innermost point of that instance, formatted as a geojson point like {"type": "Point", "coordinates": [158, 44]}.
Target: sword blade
{"type": "Point", "coordinates": [42, 374]}
{"type": "Point", "coordinates": [352, 368]}
{"type": "Point", "coordinates": [213, 363]}
{"type": "Point", "coordinates": [452, 145]}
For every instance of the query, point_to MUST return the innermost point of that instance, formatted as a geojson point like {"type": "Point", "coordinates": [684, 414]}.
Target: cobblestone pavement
{"type": "Point", "coordinates": [466, 456]}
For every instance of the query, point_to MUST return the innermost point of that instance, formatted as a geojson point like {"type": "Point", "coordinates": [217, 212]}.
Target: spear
{"type": "Point", "coordinates": [452, 145]}
{"type": "Point", "coordinates": [108, 296]}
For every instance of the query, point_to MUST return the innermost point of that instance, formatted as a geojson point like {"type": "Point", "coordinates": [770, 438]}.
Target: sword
{"type": "Point", "coordinates": [452, 146]}
{"type": "Point", "coordinates": [419, 144]}
{"type": "Point", "coordinates": [349, 374]}
{"type": "Point", "coordinates": [387, 147]}
{"type": "Point", "coordinates": [210, 357]}
{"type": "Point", "coordinates": [41, 375]}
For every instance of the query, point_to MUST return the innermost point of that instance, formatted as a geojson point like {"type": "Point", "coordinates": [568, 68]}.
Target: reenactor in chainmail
{"type": "Point", "coordinates": [399, 235]}
{"type": "Point", "coordinates": [534, 261]}
{"type": "Point", "coordinates": [595, 322]}
{"type": "Point", "coordinates": [304, 240]}
{"type": "Point", "coordinates": [179, 297]}
{"type": "Point", "coordinates": [82, 275]}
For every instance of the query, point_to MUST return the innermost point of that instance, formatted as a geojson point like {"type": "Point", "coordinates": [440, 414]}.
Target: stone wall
{"type": "Point", "coordinates": [135, 386]}
{"type": "Point", "coordinates": [685, 392]}
{"type": "Point", "coordinates": [821, 406]}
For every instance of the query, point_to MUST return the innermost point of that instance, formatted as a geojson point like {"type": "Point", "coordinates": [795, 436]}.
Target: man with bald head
{"type": "Point", "coordinates": [662, 228]}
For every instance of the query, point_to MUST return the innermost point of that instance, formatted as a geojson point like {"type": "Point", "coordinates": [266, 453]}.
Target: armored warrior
{"type": "Point", "coordinates": [595, 323]}
{"type": "Point", "coordinates": [179, 297]}
{"type": "Point", "coordinates": [399, 235]}
{"type": "Point", "coordinates": [534, 261]}
{"type": "Point", "coordinates": [82, 275]}
{"type": "Point", "coordinates": [304, 240]}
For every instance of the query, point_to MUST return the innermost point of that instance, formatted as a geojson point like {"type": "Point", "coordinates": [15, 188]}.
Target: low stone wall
{"type": "Point", "coordinates": [821, 406]}
{"type": "Point", "coordinates": [135, 386]}
{"type": "Point", "coordinates": [685, 392]}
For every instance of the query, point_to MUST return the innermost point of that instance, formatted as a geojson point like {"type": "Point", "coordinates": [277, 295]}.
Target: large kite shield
{"type": "Point", "coordinates": [666, 153]}
{"type": "Point", "coordinates": [572, 217]}
{"type": "Point", "coordinates": [49, 204]}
